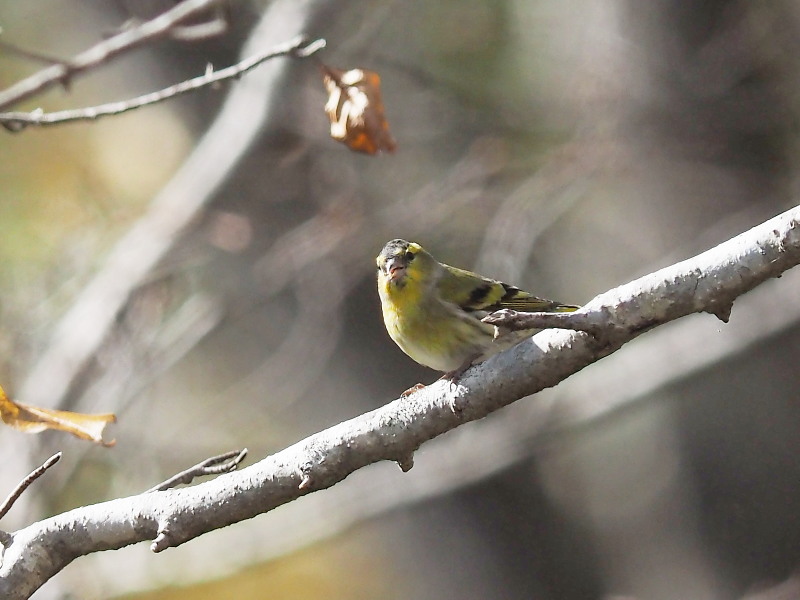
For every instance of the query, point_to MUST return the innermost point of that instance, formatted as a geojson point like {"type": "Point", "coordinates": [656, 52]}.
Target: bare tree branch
{"type": "Point", "coordinates": [101, 53]}
{"type": "Point", "coordinates": [17, 121]}
{"type": "Point", "coordinates": [23, 485]}
{"type": "Point", "coordinates": [491, 446]}
{"type": "Point", "coordinates": [709, 282]}
{"type": "Point", "coordinates": [217, 24]}
{"type": "Point", "coordinates": [223, 463]}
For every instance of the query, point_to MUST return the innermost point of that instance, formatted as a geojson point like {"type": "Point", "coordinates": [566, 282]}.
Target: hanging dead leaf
{"type": "Point", "coordinates": [355, 110]}
{"type": "Point", "coordinates": [32, 419]}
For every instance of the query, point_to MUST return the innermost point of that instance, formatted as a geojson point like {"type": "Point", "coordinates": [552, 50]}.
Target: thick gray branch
{"type": "Point", "coordinates": [708, 282]}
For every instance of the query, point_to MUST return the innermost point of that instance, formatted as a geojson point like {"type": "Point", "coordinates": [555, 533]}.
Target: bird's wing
{"type": "Point", "coordinates": [473, 292]}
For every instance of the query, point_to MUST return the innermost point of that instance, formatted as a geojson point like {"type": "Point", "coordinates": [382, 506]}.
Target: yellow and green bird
{"type": "Point", "coordinates": [433, 311]}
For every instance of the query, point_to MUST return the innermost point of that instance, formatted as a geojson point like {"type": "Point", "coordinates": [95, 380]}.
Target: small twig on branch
{"type": "Point", "coordinates": [216, 25]}
{"type": "Point", "coordinates": [23, 485]}
{"type": "Point", "coordinates": [64, 71]}
{"type": "Point", "coordinates": [27, 54]}
{"type": "Point", "coordinates": [224, 463]}
{"type": "Point", "coordinates": [17, 121]}
{"type": "Point", "coordinates": [511, 320]}
{"type": "Point", "coordinates": [201, 31]}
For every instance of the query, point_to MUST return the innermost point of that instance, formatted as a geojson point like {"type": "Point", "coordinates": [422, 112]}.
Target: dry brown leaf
{"type": "Point", "coordinates": [32, 419]}
{"type": "Point", "coordinates": [355, 110]}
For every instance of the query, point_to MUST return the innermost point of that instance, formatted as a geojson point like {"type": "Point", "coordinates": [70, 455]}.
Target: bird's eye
{"type": "Point", "coordinates": [410, 256]}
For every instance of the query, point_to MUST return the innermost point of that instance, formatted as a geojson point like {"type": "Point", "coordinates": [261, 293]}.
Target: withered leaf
{"type": "Point", "coordinates": [32, 419]}
{"type": "Point", "coordinates": [355, 110]}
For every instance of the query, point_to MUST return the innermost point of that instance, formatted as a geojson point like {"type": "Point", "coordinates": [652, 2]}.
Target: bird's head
{"type": "Point", "coordinates": [400, 260]}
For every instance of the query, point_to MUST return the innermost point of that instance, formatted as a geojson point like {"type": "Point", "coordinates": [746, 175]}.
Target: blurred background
{"type": "Point", "coordinates": [563, 146]}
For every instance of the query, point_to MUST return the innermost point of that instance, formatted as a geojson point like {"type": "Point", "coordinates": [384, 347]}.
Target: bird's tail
{"type": "Point", "coordinates": [556, 307]}
{"type": "Point", "coordinates": [527, 303]}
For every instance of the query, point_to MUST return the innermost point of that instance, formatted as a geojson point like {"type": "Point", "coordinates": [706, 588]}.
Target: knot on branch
{"type": "Point", "coordinates": [406, 462]}
{"type": "Point", "coordinates": [6, 539]}
{"type": "Point", "coordinates": [163, 539]}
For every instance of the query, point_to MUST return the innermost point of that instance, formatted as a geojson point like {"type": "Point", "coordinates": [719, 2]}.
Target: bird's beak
{"type": "Point", "coordinates": [395, 267]}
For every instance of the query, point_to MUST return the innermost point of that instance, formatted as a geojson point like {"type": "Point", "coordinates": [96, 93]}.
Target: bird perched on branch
{"type": "Point", "coordinates": [433, 311]}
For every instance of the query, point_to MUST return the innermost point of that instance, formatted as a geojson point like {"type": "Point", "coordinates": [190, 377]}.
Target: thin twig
{"type": "Point", "coordinates": [218, 24]}
{"type": "Point", "coordinates": [16, 121]}
{"type": "Point", "coordinates": [23, 485]}
{"type": "Point", "coordinates": [27, 54]}
{"type": "Point", "coordinates": [102, 52]}
{"type": "Point", "coordinates": [224, 463]}
{"type": "Point", "coordinates": [512, 320]}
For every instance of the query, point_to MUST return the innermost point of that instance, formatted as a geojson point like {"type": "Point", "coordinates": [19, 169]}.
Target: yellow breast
{"type": "Point", "coordinates": [433, 333]}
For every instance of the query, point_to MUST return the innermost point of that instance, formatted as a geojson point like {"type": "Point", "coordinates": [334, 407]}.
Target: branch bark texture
{"type": "Point", "coordinates": [709, 282]}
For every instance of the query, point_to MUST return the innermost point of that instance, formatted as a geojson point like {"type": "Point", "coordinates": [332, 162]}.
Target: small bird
{"type": "Point", "coordinates": [433, 311]}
